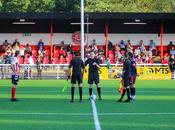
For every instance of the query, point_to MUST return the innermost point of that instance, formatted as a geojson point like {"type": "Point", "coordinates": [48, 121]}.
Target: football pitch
{"type": "Point", "coordinates": [43, 106]}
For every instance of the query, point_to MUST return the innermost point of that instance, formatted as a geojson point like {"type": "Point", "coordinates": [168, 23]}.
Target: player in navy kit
{"type": "Point", "coordinates": [133, 77]}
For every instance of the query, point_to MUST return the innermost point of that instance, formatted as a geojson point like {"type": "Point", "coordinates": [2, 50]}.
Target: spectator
{"type": "Point", "coordinates": [172, 51]}
{"type": "Point", "coordinates": [152, 47]}
{"type": "Point", "coordinates": [22, 50]}
{"type": "Point", "coordinates": [41, 45]}
{"type": "Point", "coordinates": [16, 43]}
{"type": "Point", "coordinates": [170, 45]}
{"type": "Point", "coordinates": [95, 49]}
{"type": "Point", "coordinates": [129, 47]}
{"type": "Point", "coordinates": [5, 45]}
{"type": "Point", "coordinates": [15, 46]}
{"type": "Point", "coordinates": [142, 47]}
{"type": "Point", "coordinates": [122, 45]}
{"type": "Point", "coordinates": [69, 49]}
{"type": "Point", "coordinates": [164, 60]}
{"type": "Point", "coordinates": [136, 52]}
{"type": "Point", "coordinates": [28, 48]}
{"type": "Point", "coordinates": [110, 45]}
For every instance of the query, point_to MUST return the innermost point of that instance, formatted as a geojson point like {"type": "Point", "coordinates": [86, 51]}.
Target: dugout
{"type": "Point", "coordinates": [56, 27]}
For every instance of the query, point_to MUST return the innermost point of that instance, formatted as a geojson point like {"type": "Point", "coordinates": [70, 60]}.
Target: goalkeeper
{"type": "Point", "coordinates": [77, 66]}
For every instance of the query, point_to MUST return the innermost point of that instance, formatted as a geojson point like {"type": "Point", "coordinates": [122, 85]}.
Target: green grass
{"type": "Point", "coordinates": [43, 106]}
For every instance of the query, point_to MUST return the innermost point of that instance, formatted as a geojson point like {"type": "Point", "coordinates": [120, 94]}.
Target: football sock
{"type": "Point", "coordinates": [80, 92]}
{"type": "Point", "coordinates": [128, 93]}
{"type": "Point", "coordinates": [13, 93]}
{"type": "Point", "coordinates": [90, 91]}
{"type": "Point", "coordinates": [72, 93]}
{"type": "Point", "coordinates": [123, 94]}
{"type": "Point", "coordinates": [99, 91]}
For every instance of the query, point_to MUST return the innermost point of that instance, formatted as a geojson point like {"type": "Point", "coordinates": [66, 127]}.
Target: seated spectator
{"type": "Point", "coordinates": [62, 51]}
{"type": "Point", "coordinates": [15, 46]}
{"type": "Point", "coordinates": [164, 60]}
{"type": "Point", "coordinates": [142, 47]}
{"type": "Point", "coordinates": [152, 47]}
{"type": "Point", "coordinates": [9, 51]}
{"type": "Point", "coordinates": [110, 45]}
{"type": "Point", "coordinates": [136, 52]}
{"type": "Point", "coordinates": [62, 59]}
{"type": "Point", "coordinates": [122, 45]}
{"type": "Point", "coordinates": [28, 48]}
{"type": "Point", "coordinates": [69, 49]}
{"type": "Point", "coordinates": [4, 46]}
{"type": "Point", "coordinates": [95, 49]}
{"type": "Point", "coordinates": [16, 43]}
{"type": "Point", "coordinates": [149, 53]}
{"type": "Point", "coordinates": [172, 51]}
{"type": "Point", "coordinates": [129, 47]}
{"type": "Point", "coordinates": [41, 45]}
{"type": "Point", "coordinates": [22, 51]}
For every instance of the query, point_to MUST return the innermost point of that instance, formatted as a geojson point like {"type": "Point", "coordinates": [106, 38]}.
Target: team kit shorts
{"type": "Point", "coordinates": [77, 77]}
{"type": "Point", "coordinates": [15, 79]}
{"type": "Point", "coordinates": [93, 78]}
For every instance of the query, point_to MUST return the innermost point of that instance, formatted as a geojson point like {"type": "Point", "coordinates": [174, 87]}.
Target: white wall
{"type": "Point", "coordinates": [100, 38]}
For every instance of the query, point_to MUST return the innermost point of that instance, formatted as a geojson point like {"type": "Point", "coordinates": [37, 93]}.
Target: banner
{"type": "Point", "coordinates": [146, 73]}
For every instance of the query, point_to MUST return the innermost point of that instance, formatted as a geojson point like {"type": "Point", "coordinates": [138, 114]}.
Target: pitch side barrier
{"type": "Point", "coordinates": [59, 71]}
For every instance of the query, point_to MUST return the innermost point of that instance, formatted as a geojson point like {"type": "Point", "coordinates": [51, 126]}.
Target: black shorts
{"type": "Point", "coordinates": [15, 79]}
{"type": "Point", "coordinates": [126, 81]}
{"type": "Point", "coordinates": [132, 79]}
{"type": "Point", "coordinates": [93, 78]}
{"type": "Point", "coordinates": [77, 77]}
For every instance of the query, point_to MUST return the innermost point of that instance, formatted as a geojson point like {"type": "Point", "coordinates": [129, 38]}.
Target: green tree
{"type": "Point", "coordinates": [15, 5]}
{"type": "Point", "coordinates": [41, 6]}
{"type": "Point", "coordinates": [67, 5]}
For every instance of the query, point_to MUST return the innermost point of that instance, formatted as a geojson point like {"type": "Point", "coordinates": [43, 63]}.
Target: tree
{"type": "Point", "coordinates": [67, 5]}
{"type": "Point", "coordinates": [41, 6]}
{"type": "Point", "coordinates": [15, 5]}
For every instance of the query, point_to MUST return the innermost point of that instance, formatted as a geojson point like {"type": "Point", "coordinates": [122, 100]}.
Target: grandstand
{"type": "Point", "coordinates": [60, 30]}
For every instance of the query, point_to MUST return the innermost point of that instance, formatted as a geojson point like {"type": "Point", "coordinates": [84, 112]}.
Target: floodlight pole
{"type": "Point", "coordinates": [82, 29]}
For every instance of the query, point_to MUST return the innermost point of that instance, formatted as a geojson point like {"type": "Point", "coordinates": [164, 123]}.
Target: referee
{"type": "Point", "coordinates": [77, 66]}
{"type": "Point", "coordinates": [126, 78]}
{"type": "Point", "coordinates": [93, 75]}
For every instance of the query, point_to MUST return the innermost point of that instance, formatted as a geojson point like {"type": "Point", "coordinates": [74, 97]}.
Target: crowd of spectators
{"type": "Point", "coordinates": [64, 53]}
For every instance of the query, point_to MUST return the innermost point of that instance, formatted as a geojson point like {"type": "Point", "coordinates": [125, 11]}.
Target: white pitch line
{"type": "Point", "coordinates": [95, 115]}
{"type": "Point", "coordinates": [86, 114]}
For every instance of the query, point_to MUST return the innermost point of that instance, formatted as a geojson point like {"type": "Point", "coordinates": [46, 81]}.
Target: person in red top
{"type": "Point", "coordinates": [15, 74]}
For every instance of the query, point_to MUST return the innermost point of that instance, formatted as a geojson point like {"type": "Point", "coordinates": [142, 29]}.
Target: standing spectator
{"type": "Point", "coordinates": [41, 45]}
{"type": "Point", "coordinates": [171, 63]}
{"type": "Point", "coordinates": [172, 51]}
{"type": "Point", "coordinates": [152, 47]}
{"type": "Point", "coordinates": [122, 45]}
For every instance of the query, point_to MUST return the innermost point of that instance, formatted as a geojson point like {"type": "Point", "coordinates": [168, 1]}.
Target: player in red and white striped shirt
{"type": "Point", "coordinates": [15, 74]}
